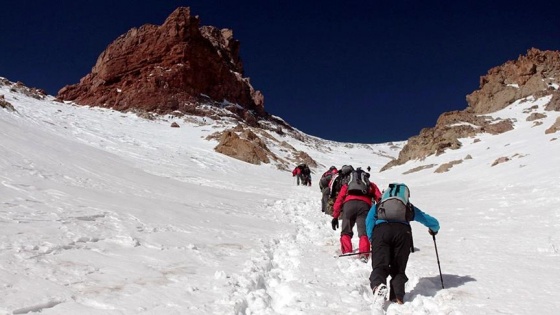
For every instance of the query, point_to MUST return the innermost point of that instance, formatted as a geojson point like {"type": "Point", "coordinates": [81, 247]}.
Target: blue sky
{"type": "Point", "coordinates": [353, 71]}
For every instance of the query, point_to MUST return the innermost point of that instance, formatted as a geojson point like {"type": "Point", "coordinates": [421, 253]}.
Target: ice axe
{"type": "Point", "coordinates": [354, 254]}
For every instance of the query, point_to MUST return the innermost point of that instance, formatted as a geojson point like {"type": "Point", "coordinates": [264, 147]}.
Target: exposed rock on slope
{"type": "Point", "coordinates": [19, 87]}
{"type": "Point", "coordinates": [5, 104]}
{"type": "Point", "coordinates": [536, 74]}
{"type": "Point", "coordinates": [244, 144]}
{"type": "Point", "coordinates": [172, 67]}
{"type": "Point", "coordinates": [554, 128]}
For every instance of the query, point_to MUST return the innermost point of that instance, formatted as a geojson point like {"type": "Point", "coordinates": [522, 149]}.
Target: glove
{"type": "Point", "coordinates": [432, 233]}
{"type": "Point", "coordinates": [334, 223]}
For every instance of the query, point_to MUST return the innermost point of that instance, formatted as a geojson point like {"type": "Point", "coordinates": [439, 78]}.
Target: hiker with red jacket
{"type": "Point", "coordinates": [297, 173]}
{"type": "Point", "coordinates": [355, 200]}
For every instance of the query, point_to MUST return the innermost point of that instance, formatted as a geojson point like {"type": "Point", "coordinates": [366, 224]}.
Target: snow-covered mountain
{"type": "Point", "coordinates": [105, 212]}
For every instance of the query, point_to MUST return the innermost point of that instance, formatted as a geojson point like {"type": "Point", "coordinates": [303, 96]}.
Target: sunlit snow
{"type": "Point", "coordinates": [107, 213]}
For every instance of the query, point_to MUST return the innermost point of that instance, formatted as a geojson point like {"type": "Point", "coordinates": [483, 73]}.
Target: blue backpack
{"type": "Point", "coordinates": [394, 205]}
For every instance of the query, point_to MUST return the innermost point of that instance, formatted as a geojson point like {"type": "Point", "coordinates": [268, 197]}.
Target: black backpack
{"type": "Point", "coordinates": [305, 170]}
{"type": "Point", "coordinates": [358, 183]}
{"type": "Point", "coordinates": [339, 179]}
{"type": "Point", "coordinates": [335, 185]}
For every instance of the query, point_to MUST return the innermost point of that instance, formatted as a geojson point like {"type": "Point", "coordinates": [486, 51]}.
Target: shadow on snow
{"type": "Point", "coordinates": [429, 286]}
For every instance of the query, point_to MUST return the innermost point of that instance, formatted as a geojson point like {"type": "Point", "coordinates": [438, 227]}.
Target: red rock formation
{"type": "Point", "coordinates": [175, 66]}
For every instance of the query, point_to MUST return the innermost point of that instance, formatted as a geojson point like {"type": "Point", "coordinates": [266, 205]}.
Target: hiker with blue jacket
{"type": "Point", "coordinates": [388, 228]}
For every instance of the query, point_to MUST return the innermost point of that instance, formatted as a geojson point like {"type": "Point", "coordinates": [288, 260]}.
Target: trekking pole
{"type": "Point", "coordinates": [354, 254]}
{"type": "Point", "coordinates": [439, 266]}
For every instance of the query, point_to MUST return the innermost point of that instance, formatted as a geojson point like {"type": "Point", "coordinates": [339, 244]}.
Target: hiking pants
{"type": "Point", "coordinates": [354, 212]}
{"type": "Point", "coordinates": [325, 199]}
{"type": "Point", "coordinates": [390, 248]}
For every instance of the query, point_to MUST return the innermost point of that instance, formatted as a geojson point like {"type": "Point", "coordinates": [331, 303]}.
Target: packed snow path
{"type": "Point", "coordinates": [300, 273]}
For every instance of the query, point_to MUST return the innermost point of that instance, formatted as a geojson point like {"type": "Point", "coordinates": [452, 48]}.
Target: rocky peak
{"type": "Point", "coordinates": [535, 74]}
{"type": "Point", "coordinates": [225, 44]}
{"type": "Point", "coordinates": [173, 67]}
{"type": "Point", "coordinates": [532, 73]}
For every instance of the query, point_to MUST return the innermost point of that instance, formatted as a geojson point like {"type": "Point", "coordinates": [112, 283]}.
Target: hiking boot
{"type": "Point", "coordinates": [364, 258]}
{"type": "Point", "coordinates": [397, 301]}
{"type": "Point", "coordinates": [380, 295]}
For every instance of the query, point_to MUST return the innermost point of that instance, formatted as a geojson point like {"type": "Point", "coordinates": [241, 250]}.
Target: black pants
{"type": "Point", "coordinates": [391, 247]}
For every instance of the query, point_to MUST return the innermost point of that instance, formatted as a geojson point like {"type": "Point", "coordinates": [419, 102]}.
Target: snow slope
{"type": "Point", "coordinates": [106, 213]}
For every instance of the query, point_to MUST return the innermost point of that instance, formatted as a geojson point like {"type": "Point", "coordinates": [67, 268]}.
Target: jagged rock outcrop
{"type": "Point", "coordinates": [247, 147]}
{"type": "Point", "coordinates": [172, 67]}
{"type": "Point", "coordinates": [531, 74]}
{"type": "Point", "coordinates": [19, 87]}
{"type": "Point", "coordinates": [536, 74]}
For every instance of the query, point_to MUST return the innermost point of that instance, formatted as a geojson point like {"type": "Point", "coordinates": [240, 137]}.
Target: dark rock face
{"type": "Point", "coordinates": [537, 74]}
{"type": "Point", "coordinates": [172, 67]}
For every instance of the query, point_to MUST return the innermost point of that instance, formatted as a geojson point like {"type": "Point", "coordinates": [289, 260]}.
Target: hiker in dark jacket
{"type": "Point", "coordinates": [324, 186]}
{"type": "Point", "coordinates": [305, 175]}
{"type": "Point", "coordinates": [390, 245]}
{"type": "Point", "coordinates": [354, 208]}
{"type": "Point", "coordinates": [335, 184]}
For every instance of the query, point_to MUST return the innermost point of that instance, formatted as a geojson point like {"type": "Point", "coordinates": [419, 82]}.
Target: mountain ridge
{"type": "Point", "coordinates": [535, 74]}
{"type": "Point", "coordinates": [264, 140]}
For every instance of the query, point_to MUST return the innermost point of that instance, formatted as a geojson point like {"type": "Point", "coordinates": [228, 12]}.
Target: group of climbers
{"type": "Point", "coordinates": [303, 174]}
{"type": "Point", "coordinates": [383, 224]}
